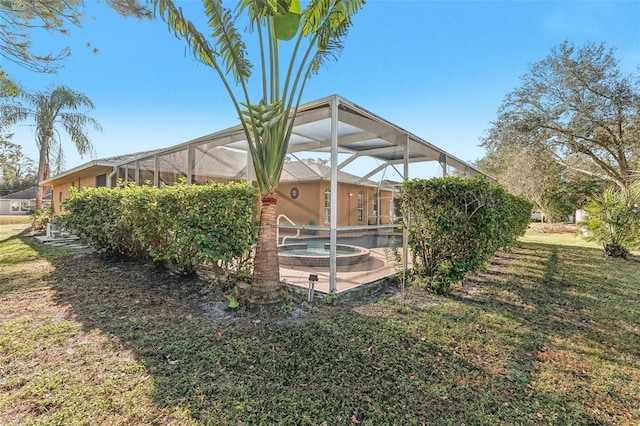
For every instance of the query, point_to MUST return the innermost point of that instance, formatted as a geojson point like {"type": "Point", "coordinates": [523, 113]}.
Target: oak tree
{"type": "Point", "coordinates": [576, 107]}
{"type": "Point", "coordinates": [20, 18]}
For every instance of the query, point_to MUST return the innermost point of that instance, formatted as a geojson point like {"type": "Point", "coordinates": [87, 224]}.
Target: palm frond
{"type": "Point", "coordinates": [57, 159]}
{"type": "Point", "coordinates": [54, 109]}
{"type": "Point", "coordinates": [183, 28]}
{"type": "Point", "coordinates": [75, 125]}
{"type": "Point", "coordinates": [330, 21]}
{"type": "Point", "coordinates": [12, 114]}
{"type": "Point", "coordinates": [63, 97]}
{"type": "Point", "coordinates": [229, 42]}
{"type": "Point", "coordinates": [331, 51]}
{"type": "Point", "coordinates": [324, 24]}
{"type": "Point", "coordinates": [267, 125]}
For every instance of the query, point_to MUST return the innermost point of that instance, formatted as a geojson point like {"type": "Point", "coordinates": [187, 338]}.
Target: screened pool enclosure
{"type": "Point", "coordinates": [337, 219]}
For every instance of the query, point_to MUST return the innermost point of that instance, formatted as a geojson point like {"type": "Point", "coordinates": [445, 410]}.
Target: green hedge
{"type": "Point", "coordinates": [183, 226]}
{"type": "Point", "coordinates": [456, 225]}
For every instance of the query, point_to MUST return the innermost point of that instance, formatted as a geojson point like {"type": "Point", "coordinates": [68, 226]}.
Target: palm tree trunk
{"type": "Point", "coordinates": [43, 163]}
{"type": "Point", "coordinates": [265, 286]}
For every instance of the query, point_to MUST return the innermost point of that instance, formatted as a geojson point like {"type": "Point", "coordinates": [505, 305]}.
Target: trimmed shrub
{"type": "Point", "coordinates": [456, 225]}
{"type": "Point", "coordinates": [182, 226]}
{"type": "Point", "coordinates": [95, 214]}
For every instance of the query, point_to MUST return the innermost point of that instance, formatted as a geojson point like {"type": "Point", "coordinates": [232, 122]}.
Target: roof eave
{"type": "Point", "coordinates": [94, 163]}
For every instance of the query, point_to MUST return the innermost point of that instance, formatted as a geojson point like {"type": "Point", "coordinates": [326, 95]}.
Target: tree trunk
{"type": "Point", "coordinates": [265, 286]}
{"type": "Point", "coordinates": [43, 166]}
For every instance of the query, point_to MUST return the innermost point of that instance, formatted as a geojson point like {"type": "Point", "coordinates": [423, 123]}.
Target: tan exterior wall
{"type": "Point", "coordinates": [309, 205]}
{"type": "Point", "coordinates": [303, 209]}
{"type": "Point", "coordinates": [61, 188]}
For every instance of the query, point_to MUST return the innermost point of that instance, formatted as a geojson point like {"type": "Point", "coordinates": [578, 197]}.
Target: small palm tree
{"type": "Point", "coordinates": [613, 219]}
{"type": "Point", "coordinates": [52, 111]}
{"type": "Point", "coordinates": [316, 34]}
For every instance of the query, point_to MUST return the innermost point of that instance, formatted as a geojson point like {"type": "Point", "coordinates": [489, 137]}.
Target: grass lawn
{"type": "Point", "coordinates": [550, 334]}
{"type": "Point", "coordinates": [14, 220]}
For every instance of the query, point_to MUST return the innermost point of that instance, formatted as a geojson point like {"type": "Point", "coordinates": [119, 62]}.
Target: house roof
{"type": "Point", "coordinates": [220, 162]}
{"type": "Point", "coordinates": [232, 164]}
{"type": "Point", "coordinates": [119, 159]}
{"type": "Point", "coordinates": [27, 194]}
{"type": "Point", "coordinates": [310, 170]}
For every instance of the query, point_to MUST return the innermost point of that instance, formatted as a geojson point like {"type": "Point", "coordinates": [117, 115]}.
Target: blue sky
{"type": "Point", "coordinates": [439, 69]}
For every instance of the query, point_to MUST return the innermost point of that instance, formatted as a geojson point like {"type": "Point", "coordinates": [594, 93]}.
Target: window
{"type": "Point", "coordinates": [327, 206]}
{"type": "Point", "coordinates": [361, 206]}
{"type": "Point", "coordinates": [376, 201]}
{"type": "Point", "coordinates": [20, 206]}
{"type": "Point", "coordinates": [101, 180]}
{"type": "Point", "coordinates": [376, 205]}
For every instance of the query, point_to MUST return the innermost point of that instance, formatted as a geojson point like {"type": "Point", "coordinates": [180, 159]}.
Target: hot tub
{"type": "Point", "coordinates": [309, 254]}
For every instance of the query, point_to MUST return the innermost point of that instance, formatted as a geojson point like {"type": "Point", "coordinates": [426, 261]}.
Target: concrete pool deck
{"type": "Point", "coordinates": [352, 281]}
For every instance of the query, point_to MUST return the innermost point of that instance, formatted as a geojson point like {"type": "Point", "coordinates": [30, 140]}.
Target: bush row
{"type": "Point", "coordinates": [183, 226]}
{"type": "Point", "coordinates": [456, 225]}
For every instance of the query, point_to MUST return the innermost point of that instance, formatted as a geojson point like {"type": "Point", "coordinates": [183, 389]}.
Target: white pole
{"type": "Point", "coordinates": [405, 231]}
{"type": "Point", "coordinates": [334, 196]}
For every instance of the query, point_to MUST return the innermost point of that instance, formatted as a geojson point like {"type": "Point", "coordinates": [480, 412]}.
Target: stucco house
{"type": "Point", "coordinates": [22, 202]}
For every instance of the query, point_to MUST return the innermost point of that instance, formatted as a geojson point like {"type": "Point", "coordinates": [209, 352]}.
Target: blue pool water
{"type": "Point", "coordinates": [367, 241]}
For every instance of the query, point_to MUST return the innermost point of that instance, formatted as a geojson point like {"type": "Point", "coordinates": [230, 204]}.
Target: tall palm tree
{"type": "Point", "coordinates": [52, 111]}
{"type": "Point", "coordinates": [316, 34]}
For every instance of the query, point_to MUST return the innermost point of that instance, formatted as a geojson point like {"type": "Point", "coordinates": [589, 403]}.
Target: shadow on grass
{"type": "Point", "coordinates": [581, 310]}
{"type": "Point", "coordinates": [15, 258]}
{"type": "Point", "coordinates": [13, 236]}
{"type": "Point", "coordinates": [573, 295]}
{"type": "Point", "coordinates": [338, 366]}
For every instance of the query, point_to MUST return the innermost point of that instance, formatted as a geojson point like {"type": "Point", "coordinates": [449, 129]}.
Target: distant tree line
{"type": "Point", "coordinates": [16, 170]}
